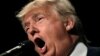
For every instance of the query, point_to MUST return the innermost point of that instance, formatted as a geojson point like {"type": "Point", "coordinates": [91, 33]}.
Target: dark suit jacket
{"type": "Point", "coordinates": [93, 51]}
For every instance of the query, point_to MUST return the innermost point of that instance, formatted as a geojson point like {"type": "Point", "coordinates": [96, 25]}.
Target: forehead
{"type": "Point", "coordinates": [39, 9]}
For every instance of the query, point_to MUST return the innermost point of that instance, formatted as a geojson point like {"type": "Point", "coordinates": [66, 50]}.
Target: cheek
{"type": "Point", "coordinates": [53, 31]}
{"type": "Point", "coordinates": [30, 37]}
{"type": "Point", "coordinates": [57, 30]}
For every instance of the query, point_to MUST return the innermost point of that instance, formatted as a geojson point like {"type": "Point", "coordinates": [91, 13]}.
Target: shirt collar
{"type": "Point", "coordinates": [80, 50]}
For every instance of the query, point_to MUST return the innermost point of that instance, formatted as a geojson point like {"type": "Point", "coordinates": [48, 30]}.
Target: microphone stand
{"type": "Point", "coordinates": [20, 46]}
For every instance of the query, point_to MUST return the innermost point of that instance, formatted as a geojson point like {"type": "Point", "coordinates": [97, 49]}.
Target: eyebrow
{"type": "Point", "coordinates": [36, 14]}
{"type": "Point", "coordinates": [26, 24]}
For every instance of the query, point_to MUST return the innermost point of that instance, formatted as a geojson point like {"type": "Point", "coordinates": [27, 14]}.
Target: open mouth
{"type": "Point", "coordinates": [39, 42]}
{"type": "Point", "coordinates": [41, 45]}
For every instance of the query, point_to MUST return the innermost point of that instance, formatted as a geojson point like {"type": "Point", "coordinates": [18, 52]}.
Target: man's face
{"type": "Point", "coordinates": [47, 31]}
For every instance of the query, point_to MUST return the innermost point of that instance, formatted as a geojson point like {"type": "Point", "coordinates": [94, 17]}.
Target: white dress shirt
{"type": "Point", "coordinates": [80, 50]}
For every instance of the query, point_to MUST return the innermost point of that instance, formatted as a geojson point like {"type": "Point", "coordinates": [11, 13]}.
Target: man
{"type": "Point", "coordinates": [54, 28]}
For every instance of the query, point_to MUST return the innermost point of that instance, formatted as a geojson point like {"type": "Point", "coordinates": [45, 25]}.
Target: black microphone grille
{"type": "Point", "coordinates": [26, 43]}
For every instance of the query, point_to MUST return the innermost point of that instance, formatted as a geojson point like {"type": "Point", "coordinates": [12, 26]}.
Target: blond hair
{"type": "Point", "coordinates": [63, 7]}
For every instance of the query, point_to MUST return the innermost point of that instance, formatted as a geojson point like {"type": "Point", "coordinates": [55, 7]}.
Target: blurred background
{"type": "Point", "coordinates": [12, 32]}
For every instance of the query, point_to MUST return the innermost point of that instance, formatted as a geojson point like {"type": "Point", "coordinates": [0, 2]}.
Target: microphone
{"type": "Point", "coordinates": [22, 45]}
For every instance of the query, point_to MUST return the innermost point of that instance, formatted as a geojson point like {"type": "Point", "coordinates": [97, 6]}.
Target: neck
{"type": "Point", "coordinates": [75, 40]}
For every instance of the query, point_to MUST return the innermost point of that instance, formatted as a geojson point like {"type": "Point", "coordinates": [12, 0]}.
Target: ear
{"type": "Point", "coordinates": [69, 23]}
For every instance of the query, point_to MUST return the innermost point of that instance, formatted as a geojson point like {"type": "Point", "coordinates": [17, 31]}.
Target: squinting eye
{"type": "Point", "coordinates": [40, 17]}
{"type": "Point", "coordinates": [26, 29]}
{"type": "Point", "coordinates": [26, 26]}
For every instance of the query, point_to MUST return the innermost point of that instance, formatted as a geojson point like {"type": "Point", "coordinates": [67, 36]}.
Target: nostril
{"type": "Point", "coordinates": [33, 32]}
{"type": "Point", "coordinates": [39, 42]}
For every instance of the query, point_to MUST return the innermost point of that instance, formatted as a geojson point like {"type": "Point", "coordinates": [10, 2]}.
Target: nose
{"type": "Point", "coordinates": [33, 30]}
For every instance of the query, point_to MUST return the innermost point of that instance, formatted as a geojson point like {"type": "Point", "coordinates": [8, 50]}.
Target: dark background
{"type": "Point", "coordinates": [11, 32]}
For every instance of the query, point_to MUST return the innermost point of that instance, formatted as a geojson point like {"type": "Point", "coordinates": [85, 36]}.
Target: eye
{"type": "Point", "coordinates": [26, 29]}
{"type": "Point", "coordinates": [39, 17]}
{"type": "Point", "coordinates": [26, 26]}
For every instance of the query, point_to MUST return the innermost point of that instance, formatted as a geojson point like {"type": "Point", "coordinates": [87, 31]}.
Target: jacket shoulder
{"type": "Point", "coordinates": [93, 51]}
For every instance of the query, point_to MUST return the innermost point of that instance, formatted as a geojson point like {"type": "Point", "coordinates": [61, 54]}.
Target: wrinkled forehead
{"type": "Point", "coordinates": [38, 9]}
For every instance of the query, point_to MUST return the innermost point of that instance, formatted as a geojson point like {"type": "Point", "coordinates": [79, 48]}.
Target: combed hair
{"type": "Point", "coordinates": [63, 7]}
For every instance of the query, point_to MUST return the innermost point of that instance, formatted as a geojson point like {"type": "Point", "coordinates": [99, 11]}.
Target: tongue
{"type": "Point", "coordinates": [40, 43]}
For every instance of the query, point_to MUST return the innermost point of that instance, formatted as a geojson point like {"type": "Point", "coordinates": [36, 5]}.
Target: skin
{"type": "Point", "coordinates": [46, 24]}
